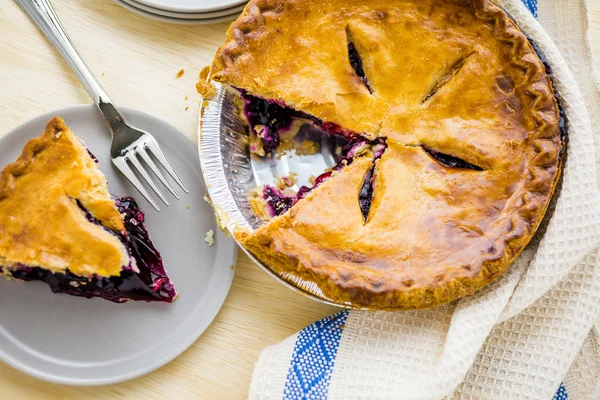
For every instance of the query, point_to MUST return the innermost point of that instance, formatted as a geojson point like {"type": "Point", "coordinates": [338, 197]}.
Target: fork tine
{"type": "Point", "coordinates": [121, 164]}
{"type": "Point", "coordinates": [153, 146]}
{"type": "Point", "coordinates": [142, 153]}
{"type": "Point", "coordinates": [131, 157]}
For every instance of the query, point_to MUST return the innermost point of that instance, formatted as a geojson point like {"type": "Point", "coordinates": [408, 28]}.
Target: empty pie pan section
{"type": "Point", "coordinates": [231, 173]}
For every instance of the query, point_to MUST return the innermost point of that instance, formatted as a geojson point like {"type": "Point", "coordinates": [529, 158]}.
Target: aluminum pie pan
{"type": "Point", "coordinates": [231, 173]}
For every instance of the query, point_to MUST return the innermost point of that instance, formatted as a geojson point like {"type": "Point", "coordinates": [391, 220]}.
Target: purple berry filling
{"type": "Point", "coordinates": [450, 161]}
{"type": "Point", "coordinates": [268, 117]}
{"type": "Point", "coordinates": [278, 202]}
{"type": "Point", "coordinates": [92, 156]}
{"type": "Point", "coordinates": [305, 190]}
{"type": "Point", "coordinates": [149, 284]}
{"type": "Point", "coordinates": [365, 197]}
{"type": "Point", "coordinates": [357, 64]}
{"type": "Point", "coordinates": [366, 193]}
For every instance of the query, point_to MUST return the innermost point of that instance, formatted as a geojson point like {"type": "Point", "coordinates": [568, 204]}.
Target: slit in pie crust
{"type": "Point", "coordinates": [472, 132]}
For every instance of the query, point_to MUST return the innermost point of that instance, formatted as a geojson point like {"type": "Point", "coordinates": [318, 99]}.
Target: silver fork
{"type": "Point", "coordinates": [129, 145]}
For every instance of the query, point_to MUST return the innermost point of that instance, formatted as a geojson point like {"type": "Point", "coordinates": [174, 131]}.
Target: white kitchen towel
{"type": "Point", "coordinates": [520, 337]}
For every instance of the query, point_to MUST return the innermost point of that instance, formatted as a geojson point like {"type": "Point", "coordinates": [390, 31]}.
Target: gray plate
{"type": "Point", "coordinates": [77, 341]}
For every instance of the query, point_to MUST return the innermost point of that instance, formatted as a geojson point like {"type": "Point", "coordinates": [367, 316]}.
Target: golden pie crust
{"type": "Point", "coordinates": [41, 224]}
{"type": "Point", "coordinates": [454, 76]}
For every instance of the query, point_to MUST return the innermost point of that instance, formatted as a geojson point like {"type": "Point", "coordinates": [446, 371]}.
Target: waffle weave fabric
{"type": "Point", "coordinates": [530, 334]}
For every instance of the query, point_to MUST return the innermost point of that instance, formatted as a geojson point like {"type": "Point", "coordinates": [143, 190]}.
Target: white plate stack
{"type": "Point", "coordinates": [186, 11]}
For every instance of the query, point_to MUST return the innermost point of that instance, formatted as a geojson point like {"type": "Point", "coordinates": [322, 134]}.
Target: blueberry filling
{"type": "Point", "coordinates": [150, 283]}
{"type": "Point", "coordinates": [92, 156]}
{"type": "Point", "coordinates": [267, 118]}
{"type": "Point", "coordinates": [366, 193]}
{"type": "Point", "coordinates": [305, 190]}
{"type": "Point", "coordinates": [356, 61]}
{"type": "Point", "coordinates": [450, 161]}
{"type": "Point", "coordinates": [278, 202]}
{"type": "Point", "coordinates": [365, 197]}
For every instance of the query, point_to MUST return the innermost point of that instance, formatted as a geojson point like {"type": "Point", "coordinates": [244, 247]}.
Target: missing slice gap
{"type": "Point", "coordinates": [266, 118]}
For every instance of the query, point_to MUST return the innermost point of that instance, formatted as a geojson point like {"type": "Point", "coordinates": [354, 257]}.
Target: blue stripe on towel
{"type": "Point", "coordinates": [313, 359]}
{"type": "Point", "coordinates": [561, 393]}
{"type": "Point", "coordinates": [531, 6]}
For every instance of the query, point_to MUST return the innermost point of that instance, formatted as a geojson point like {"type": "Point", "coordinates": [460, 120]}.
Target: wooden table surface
{"type": "Point", "coordinates": [137, 60]}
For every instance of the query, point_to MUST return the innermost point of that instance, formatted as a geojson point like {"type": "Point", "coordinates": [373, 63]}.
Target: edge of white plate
{"type": "Point", "coordinates": [186, 15]}
{"type": "Point", "coordinates": [180, 21]}
{"type": "Point", "coordinates": [170, 6]}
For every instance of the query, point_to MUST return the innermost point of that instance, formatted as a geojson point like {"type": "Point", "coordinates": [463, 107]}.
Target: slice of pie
{"type": "Point", "coordinates": [453, 141]}
{"type": "Point", "coordinates": [60, 225]}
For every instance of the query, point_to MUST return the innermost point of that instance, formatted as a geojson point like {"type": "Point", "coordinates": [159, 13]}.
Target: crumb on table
{"type": "Point", "coordinates": [187, 207]}
{"type": "Point", "coordinates": [180, 73]}
{"type": "Point", "coordinates": [186, 108]}
{"type": "Point", "coordinates": [210, 237]}
{"type": "Point", "coordinates": [185, 98]}
{"type": "Point", "coordinates": [206, 89]}
{"type": "Point", "coordinates": [231, 267]}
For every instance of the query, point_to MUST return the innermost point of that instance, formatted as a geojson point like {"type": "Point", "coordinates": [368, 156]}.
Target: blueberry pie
{"type": "Point", "coordinates": [60, 225]}
{"type": "Point", "coordinates": [451, 142]}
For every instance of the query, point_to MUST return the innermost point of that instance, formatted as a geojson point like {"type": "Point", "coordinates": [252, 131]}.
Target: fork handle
{"type": "Point", "coordinates": [42, 14]}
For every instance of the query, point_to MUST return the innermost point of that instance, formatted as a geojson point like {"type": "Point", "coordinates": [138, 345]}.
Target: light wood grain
{"type": "Point", "coordinates": [136, 60]}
